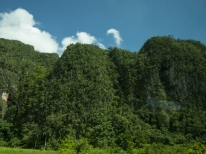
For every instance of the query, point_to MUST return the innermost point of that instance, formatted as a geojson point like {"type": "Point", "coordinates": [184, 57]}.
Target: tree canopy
{"type": "Point", "coordinates": [104, 98]}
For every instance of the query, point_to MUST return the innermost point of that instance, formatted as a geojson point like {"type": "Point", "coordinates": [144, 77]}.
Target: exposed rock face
{"type": "Point", "coordinates": [5, 96]}
{"type": "Point", "coordinates": [3, 103]}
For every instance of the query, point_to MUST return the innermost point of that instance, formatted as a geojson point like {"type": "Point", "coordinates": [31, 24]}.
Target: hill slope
{"type": "Point", "coordinates": [112, 97]}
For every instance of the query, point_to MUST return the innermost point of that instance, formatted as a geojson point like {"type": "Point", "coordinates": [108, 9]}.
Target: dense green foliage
{"type": "Point", "coordinates": [7, 150]}
{"type": "Point", "coordinates": [110, 101]}
{"type": "Point", "coordinates": [82, 146]}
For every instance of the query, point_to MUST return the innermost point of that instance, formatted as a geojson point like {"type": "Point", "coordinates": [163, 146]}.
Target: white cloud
{"type": "Point", "coordinates": [116, 35]}
{"type": "Point", "coordinates": [101, 45]}
{"type": "Point", "coordinates": [81, 37]}
{"type": "Point", "coordinates": [19, 25]}
{"type": "Point", "coordinates": [85, 38]}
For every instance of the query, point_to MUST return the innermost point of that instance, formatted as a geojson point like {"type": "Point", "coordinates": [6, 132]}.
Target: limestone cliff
{"type": "Point", "coordinates": [5, 96]}
{"type": "Point", "coordinates": [3, 103]}
{"type": "Point", "coordinates": [174, 70]}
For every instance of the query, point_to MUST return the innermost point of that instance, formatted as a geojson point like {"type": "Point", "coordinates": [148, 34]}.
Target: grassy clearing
{"type": "Point", "coordinates": [5, 150]}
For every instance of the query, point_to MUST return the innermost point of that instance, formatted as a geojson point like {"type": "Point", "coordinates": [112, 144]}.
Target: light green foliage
{"type": "Point", "coordinates": [6, 150]}
{"type": "Point", "coordinates": [197, 148]}
{"type": "Point", "coordinates": [68, 145]}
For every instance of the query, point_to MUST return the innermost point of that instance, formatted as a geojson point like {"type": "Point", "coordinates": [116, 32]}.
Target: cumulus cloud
{"type": "Point", "coordinates": [20, 25]}
{"type": "Point", "coordinates": [116, 35]}
{"type": "Point", "coordinates": [101, 45]}
{"type": "Point", "coordinates": [81, 37]}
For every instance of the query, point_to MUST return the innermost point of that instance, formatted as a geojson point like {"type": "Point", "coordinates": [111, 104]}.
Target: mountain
{"type": "Point", "coordinates": [18, 59]}
{"type": "Point", "coordinates": [175, 70]}
{"type": "Point", "coordinates": [17, 62]}
{"type": "Point", "coordinates": [112, 97]}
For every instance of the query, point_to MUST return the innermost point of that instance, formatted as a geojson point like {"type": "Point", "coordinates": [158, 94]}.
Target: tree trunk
{"type": "Point", "coordinates": [45, 143]}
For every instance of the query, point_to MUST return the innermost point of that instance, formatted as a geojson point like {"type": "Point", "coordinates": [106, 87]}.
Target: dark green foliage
{"type": "Point", "coordinates": [83, 91]}
{"type": "Point", "coordinates": [152, 101]}
{"type": "Point", "coordinates": [177, 70]}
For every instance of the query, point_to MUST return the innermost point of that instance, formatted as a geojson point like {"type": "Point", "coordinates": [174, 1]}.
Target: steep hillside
{"type": "Point", "coordinates": [17, 62]}
{"type": "Point", "coordinates": [114, 98]}
{"type": "Point", "coordinates": [83, 91]}
{"type": "Point", "coordinates": [18, 59]}
{"type": "Point", "coordinates": [174, 70]}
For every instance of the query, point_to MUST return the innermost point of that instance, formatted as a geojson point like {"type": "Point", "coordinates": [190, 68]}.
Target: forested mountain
{"type": "Point", "coordinates": [18, 59]}
{"type": "Point", "coordinates": [113, 97]}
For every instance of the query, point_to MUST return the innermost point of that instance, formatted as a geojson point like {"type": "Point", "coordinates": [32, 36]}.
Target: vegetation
{"type": "Point", "coordinates": [91, 100]}
{"type": "Point", "coordinates": [6, 150]}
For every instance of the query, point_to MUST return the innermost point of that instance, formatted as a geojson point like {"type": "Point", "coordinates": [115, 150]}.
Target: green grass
{"type": "Point", "coordinates": [5, 150]}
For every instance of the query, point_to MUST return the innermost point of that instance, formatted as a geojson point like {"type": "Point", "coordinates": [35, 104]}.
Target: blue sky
{"type": "Point", "coordinates": [50, 25]}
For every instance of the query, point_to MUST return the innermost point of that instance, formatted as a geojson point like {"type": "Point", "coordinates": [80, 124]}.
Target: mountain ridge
{"type": "Point", "coordinates": [108, 96]}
